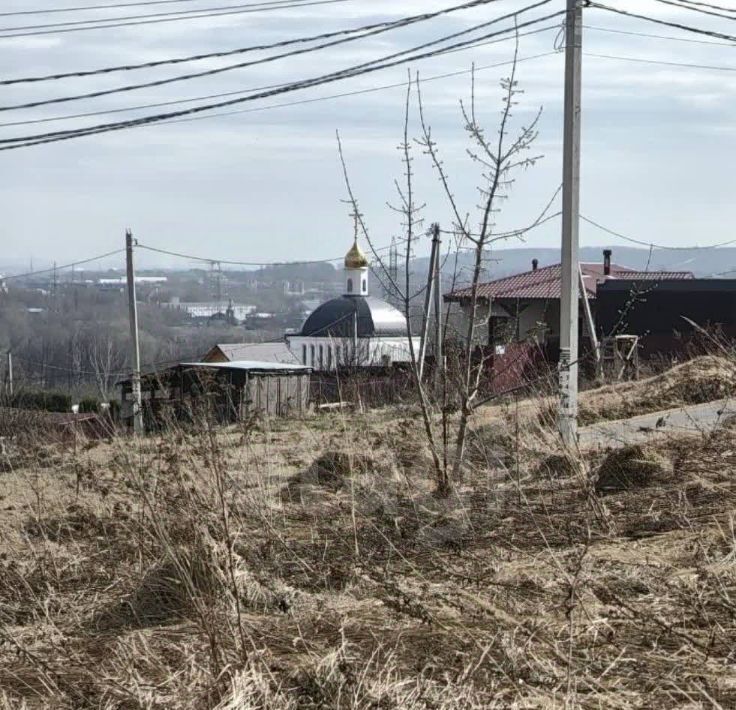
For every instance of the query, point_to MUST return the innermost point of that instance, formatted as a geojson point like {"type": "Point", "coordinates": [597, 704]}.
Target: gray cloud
{"type": "Point", "coordinates": [266, 184]}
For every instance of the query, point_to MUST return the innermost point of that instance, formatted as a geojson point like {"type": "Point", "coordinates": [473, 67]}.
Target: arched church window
{"type": "Point", "coordinates": [304, 354]}
{"type": "Point", "coordinates": [365, 286]}
{"type": "Point", "coordinates": [311, 353]}
{"type": "Point", "coordinates": [329, 357]}
{"type": "Point", "coordinates": [321, 357]}
{"type": "Point", "coordinates": [350, 285]}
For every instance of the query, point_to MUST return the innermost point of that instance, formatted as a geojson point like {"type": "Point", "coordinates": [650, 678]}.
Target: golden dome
{"type": "Point", "coordinates": [355, 258]}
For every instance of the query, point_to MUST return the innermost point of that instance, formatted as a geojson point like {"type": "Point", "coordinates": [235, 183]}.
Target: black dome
{"type": "Point", "coordinates": [336, 318]}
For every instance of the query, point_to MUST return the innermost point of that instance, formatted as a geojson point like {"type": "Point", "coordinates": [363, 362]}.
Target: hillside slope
{"type": "Point", "coordinates": [307, 565]}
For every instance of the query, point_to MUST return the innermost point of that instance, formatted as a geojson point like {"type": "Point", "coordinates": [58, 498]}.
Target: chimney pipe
{"type": "Point", "coordinates": [535, 264]}
{"type": "Point", "coordinates": [607, 262]}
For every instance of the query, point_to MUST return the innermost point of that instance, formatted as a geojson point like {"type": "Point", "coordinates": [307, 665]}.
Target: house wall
{"type": "Point", "coordinates": [276, 396]}
{"type": "Point", "coordinates": [536, 319]}
{"type": "Point", "coordinates": [460, 317]}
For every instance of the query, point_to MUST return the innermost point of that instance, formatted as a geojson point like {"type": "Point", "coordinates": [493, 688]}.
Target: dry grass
{"type": "Point", "coordinates": [696, 381]}
{"type": "Point", "coordinates": [307, 565]}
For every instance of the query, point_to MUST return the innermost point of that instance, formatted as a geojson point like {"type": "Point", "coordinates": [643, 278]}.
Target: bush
{"type": "Point", "coordinates": [629, 467]}
{"type": "Point", "coordinates": [47, 401]}
{"type": "Point", "coordinates": [89, 404]}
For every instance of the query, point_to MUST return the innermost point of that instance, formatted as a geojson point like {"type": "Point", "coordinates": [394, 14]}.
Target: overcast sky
{"type": "Point", "coordinates": [659, 142]}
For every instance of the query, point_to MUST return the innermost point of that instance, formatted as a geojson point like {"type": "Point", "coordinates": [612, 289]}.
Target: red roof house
{"type": "Point", "coordinates": [527, 305]}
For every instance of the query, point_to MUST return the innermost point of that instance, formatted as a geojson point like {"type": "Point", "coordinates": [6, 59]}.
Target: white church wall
{"type": "Point", "coordinates": [326, 353]}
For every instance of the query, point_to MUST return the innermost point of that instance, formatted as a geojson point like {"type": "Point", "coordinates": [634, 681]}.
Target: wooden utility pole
{"type": "Point", "coordinates": [569, 306]}
{"type": "Point", "coordinates": [438, 355]}
{"type": "Point", "coordinates": [135, 349]}
{"type": "Point", "coordinates": [428, 300]}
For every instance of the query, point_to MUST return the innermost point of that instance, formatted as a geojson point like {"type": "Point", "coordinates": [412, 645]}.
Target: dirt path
{"type": "Point", "coordinates": [692, 419]}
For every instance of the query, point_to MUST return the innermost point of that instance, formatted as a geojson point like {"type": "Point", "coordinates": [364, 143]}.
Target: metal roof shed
{"type": "Point", "coordinates": [230, 391]}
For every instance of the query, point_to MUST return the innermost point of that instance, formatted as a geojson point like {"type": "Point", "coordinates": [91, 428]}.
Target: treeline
{"type": "Point", "coordinates": [77, 341]}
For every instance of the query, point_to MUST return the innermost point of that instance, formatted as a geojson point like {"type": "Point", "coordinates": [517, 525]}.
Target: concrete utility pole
{"type": "Point", "coordinates": [433, 257]}
{"type": "Point", "coordinates": [568, 410]}
{"type": "Point", "coordinates": [438, 355]}
{"type": "Point", "coordinates": [135, 349]}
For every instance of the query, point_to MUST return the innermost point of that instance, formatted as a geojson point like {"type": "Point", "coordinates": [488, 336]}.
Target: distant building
{"type": "Point", "coordinates": [237, 312]}
{"type": "Point", "coordinates": [355, 329]}
{"type": "Point", "coordinates": [293, 288]}
{"type": "Point", "coordinates": [121, 282]}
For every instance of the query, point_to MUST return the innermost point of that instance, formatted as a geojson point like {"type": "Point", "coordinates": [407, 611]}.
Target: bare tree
{"type": "Point", "coordinates": [410, 212]}
{"type": "Point", "coordinates": [107, 358]}
{"type": "Point", "coordinates": [500, 158]}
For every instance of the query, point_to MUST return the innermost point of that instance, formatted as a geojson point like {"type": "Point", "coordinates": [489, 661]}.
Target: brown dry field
{"type": "Point", "coordinates": [307, 564]}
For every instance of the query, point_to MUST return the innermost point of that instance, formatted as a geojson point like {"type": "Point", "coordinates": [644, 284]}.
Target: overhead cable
{"type": "Point", "coordinates": [662, 62]}
{"type": "Point", "coordinates": [709, 5]}
{"type": "Point", "coordinates": [294, 52]}
{"type": "Point", "coordinates": [82, 8]}
{"type": "Point", "coordinates": [356, 92]}
{"type": "Point", "coordinates": [703, 11]}
{"type": "Point", "coordinates": [250, 5]}
{"type": "Point", "coordinates": [350, 72]}
{"type": "Point", "coordinates": [652, 244]}
{"type": "Point", "coordinates": [392, 24]}
{"type": "Point", "coordinates": [653, 36]}
{"type": "Point", "coordinates": [230, 262]}
{"type": "Point", "coordinates": [11, 32]}
{"type": "Point", "coordinates": [64, 266]}
{"type": "Point", "coordinates": [666, 23]}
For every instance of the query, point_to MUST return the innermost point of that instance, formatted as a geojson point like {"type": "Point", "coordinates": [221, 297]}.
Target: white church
{"type": "Point", "coordinates": [355, 329]}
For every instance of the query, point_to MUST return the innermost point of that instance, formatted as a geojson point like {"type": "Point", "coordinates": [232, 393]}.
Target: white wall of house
{"type": "Point", "coordinates": [324, 354]}
{"type": "Point", "coordinates": [537, 319]}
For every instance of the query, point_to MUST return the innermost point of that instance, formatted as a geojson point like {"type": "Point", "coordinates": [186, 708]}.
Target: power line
{"type": "Point", "coordinates": [57, 10]}
{"type": "Point", "coordinates": [288, 103]}
{"type": "Point", "coordinates": [709, 5]}
{"type": "Point", "coordinates": [64, 266]}
{"type": "Point", "coordinates": [699, 9]}
{"type": "Point", "coordinates": [240, 50]}
{"type": "Point", "coordinates": [642, 60]}
{"type": "Point", "coordinates": [350, 72]}
{"type": "Point", "coordinates": [11, 32]}
{"type": "Point", "coordinates": [230, 262]}
{"type": "Point", "coordinates": [296, 52]}
{"type": "Point", "coordinates": [378, 88]}
{"type": "Point", "coordinates": [360, 91]}
{"type": "Point", "coordinates": [666, 23]}
{"type": "Point", "coordinates": [652, 244]}
{"type": "Point", "coordinates": [653, 36]}
{"type": "Point", "coordinates": [267, 4]}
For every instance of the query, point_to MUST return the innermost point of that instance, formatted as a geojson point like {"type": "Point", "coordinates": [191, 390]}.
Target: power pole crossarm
{"type": "Point", "coordinates": [569, 306]}
{"type": "Point", "coordinates": [135, 348]}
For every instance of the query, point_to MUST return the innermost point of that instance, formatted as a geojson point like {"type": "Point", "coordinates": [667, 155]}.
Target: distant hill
{"type": "Point", "coordinates": [704, 263]}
